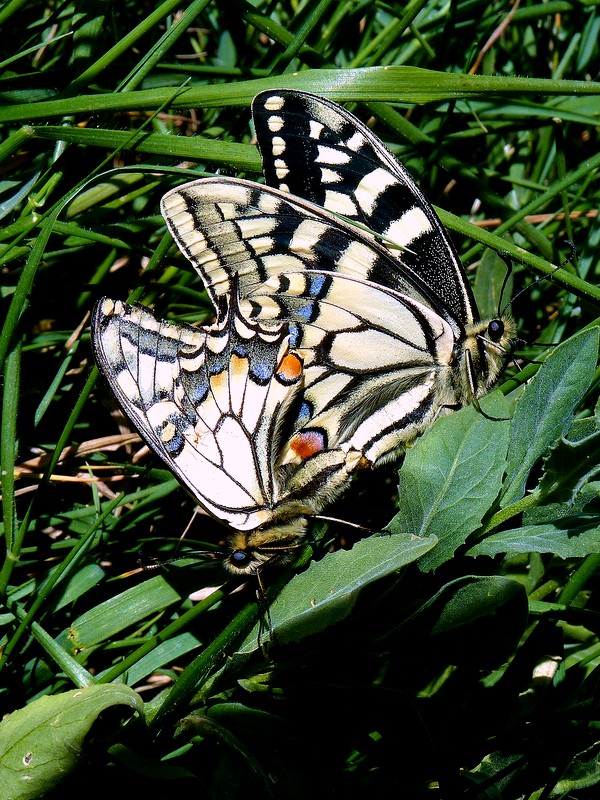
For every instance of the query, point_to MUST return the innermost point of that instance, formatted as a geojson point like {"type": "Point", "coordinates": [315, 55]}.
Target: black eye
{"type": "Point", "coordinates": [240, 558]}
{"type": "Point", "coordinates": [496, 330]}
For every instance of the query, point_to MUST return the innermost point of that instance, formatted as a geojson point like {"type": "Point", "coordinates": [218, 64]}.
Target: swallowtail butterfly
{"type": "Point", "coordinates": [214, 404]}
{"type": "Point", "coordinates": [387, 339]}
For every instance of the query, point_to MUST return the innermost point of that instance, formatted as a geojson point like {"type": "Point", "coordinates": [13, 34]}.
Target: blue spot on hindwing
{"type": "Point", "coordinates": [261, 372]}
{"type": "Point", "coordinates": [305, 412]}
{"type": "Point", "coordinates": [175, 444]}
{"type": "Point", "coordinates": [306, 312]}
{"type": "Point", "coordinates": [295, 334]}
{"type": "Point", "coordinates": [318, 285]}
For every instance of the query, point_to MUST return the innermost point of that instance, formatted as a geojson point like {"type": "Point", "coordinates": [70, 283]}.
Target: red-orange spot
{"type": "Point", "coordinates": [290, 368]}
{"type": "Point", "coordinates": [307, 444]}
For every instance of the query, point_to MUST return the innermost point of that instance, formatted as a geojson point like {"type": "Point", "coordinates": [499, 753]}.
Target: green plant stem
{"type": "Point", "coordinates": [197, 673]}
{"type": "Point", "coordinates": [77, 674]}
{"type": "Point", "coordinates": [586, 571]}
{"type": "Point", "coordinates": [500, 517]}
{"type": "Point", "coordinates": [57, 575]}
{"type": "Point", "coordinates": [202, 666]}
{"type": "Point", "coordinates": [10, 405]}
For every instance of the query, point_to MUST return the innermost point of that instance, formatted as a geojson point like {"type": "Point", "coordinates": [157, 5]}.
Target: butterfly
{"type": "Point", "coordinates": [214, 404]}
{"type": "Point", "coordinates": [389, 335]}
{"type": "Point", "coordinates": [384, 340]}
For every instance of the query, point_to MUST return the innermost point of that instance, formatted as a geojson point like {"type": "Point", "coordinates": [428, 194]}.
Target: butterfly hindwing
{"type": "Point", "coordinates": [376, 361]}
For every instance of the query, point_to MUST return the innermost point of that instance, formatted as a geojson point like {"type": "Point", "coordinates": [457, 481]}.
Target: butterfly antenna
{"type": "Point", "coordinates": [509, 265]}
{"type": "Point", "coordinates": [342, 522]}
{"type": "Point", "coordinates": [474, 399]}
{"type": "Point", "coordinates": [479, 409]}
{"type": "Point", "coordinates": [570, 259]}
{"type": "Point", "coordinates": [147, 566]}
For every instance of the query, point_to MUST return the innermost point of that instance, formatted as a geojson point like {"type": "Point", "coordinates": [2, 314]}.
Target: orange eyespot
{"type": "Point", "coordinates": [290, 368]}
{"type": "Point", "coordinates": [307, 444]}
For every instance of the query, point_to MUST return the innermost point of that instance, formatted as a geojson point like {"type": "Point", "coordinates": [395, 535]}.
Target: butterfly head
{"type": "Point", "coordinates": [274, 542]}
{"type": "Point", "coordinates": [486, 348]}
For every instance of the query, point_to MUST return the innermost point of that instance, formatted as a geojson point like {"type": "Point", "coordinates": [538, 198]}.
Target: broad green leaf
{"type": "Point", "coordinates": [327, 591]}
{"type": "Point", "coordinates": [451, 477]}
{"type": "Point", "coordinates": [570, 465]}
{"type": "Point", "coordinates": [119, 613]}
{"type": "Point", "coordinates": [40, 744]}
{"type": "Point", "coordinates": [581, 773]}
{"type": "Point", "coordinates": [584, 501]}
{"type": "Point", "coordinates": [569, 537]}
{"type": "Point", "coordinates": [473, 619]}
{"type": "Point", "coordinates": [582, 428]}
{"type": "Point", "coordinates": [467, 600]}
{"type": "Point", "coordinates": [544, 412]}
{"type": "Point", "coordinates": [491, 770]}
{"type": "Point", "coordinates": [478, 597]}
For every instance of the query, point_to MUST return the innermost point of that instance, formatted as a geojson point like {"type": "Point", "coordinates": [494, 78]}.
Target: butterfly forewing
{"type": "Point", "coordinates": [317, 150]}
{"type": "Point", "coordinates": [230, 227]}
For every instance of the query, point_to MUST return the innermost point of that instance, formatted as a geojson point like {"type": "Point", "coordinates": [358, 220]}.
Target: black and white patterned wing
{"type": "Point", "coordinates": [316, 150]}
{"type": "Point", "coordinates": [377, 363]}
{"type": "Point", "coordinates": [376, 359]}
{"type": "Point", "coordinates": [231, 227]}
{"type": "Point", "coordinates": [210, 402]}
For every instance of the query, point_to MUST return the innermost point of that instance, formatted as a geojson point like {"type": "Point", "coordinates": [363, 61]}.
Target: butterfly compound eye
{"type": "Point", "coordinates": [240, 558]}
{"type": "Point", "coordinates": [496, 330]}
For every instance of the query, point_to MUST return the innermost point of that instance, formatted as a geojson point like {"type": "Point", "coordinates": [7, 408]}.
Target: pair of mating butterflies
{"type": "Point", "coordinates": [334, 344]}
